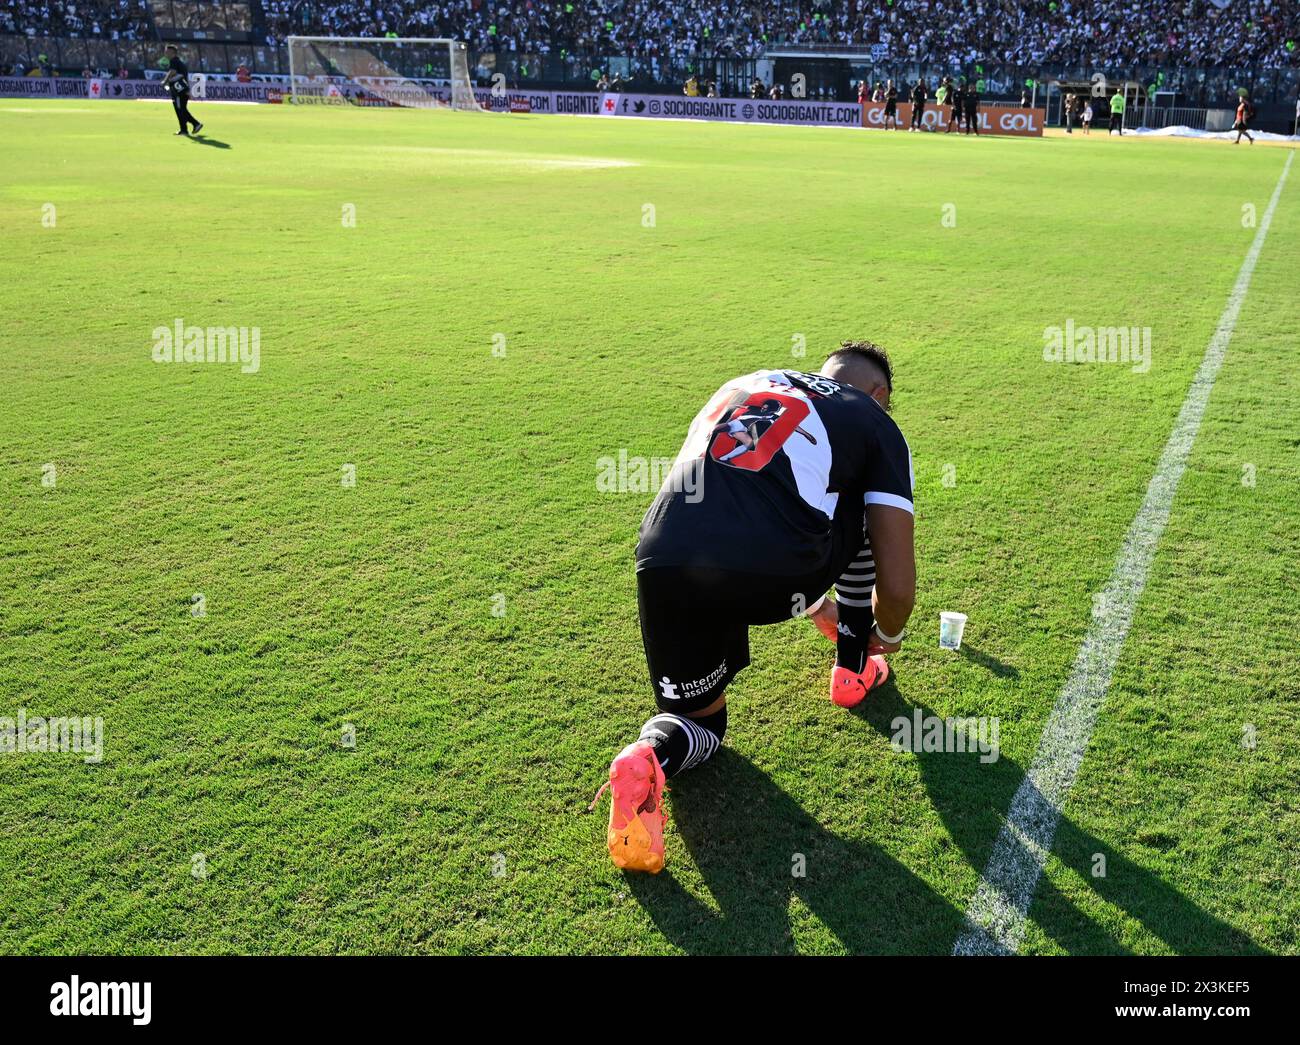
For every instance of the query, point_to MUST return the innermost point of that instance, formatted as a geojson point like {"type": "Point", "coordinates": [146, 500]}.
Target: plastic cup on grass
{"type": "Point", "coordinates": [951, 626]}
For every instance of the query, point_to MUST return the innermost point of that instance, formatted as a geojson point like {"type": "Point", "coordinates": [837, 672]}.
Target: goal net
{"type": "Point", "coordinates": [384, 71]}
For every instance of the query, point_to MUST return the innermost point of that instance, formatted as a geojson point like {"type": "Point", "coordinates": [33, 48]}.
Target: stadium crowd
{"type": "Point", "coordinates": [1017, 32]}
{"type": "Point", "coordinates": [1093, 33]}
{"type": "Point", "coordinates": [84, 19]}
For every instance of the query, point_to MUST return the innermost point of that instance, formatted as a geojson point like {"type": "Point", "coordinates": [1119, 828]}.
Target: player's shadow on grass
{"type": "Point", "coordinates": [972, 797]}
{"type": "Point", "coordinates": [744, 834]}
{"type": "Point", "coordinates": [216, 143]}
{"type": "Point", "coordinates": [1000, 668]}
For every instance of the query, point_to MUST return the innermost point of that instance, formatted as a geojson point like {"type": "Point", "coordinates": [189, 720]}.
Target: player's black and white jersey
{"type": "Point", "coordinates": [774, 476]}
{"type": "Point", "coordinates": [181, 82]}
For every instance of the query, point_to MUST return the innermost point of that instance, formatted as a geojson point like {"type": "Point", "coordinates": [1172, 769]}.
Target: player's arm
{"type": "Point", "coordinates": [892, 539]}
{"type": "Point", "coordinates": [890, 522]}
{"type": "Point", "coordinates": [892, 555]}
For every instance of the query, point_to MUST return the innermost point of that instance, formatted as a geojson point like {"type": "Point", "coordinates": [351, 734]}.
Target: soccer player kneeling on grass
{"type": "Point", "coordinates": [788, 483]}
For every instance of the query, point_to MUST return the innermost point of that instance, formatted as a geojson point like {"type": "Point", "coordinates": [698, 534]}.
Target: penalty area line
{"type": "Point", "coordinates": [996, 917]}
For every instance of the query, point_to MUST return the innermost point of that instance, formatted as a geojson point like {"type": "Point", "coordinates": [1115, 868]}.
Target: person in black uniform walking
{"type": "Point", "coordinates": [177, 83]}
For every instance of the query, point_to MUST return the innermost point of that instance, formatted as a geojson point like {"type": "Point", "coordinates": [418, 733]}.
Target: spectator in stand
{"type": "Point", "coordinates": [777, 92]}
{"type": "Point", "coordinates": [757, 88]}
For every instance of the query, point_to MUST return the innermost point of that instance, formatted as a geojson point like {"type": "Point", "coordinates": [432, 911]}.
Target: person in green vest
{"type": "Point", "coordinates": [1116, 113]}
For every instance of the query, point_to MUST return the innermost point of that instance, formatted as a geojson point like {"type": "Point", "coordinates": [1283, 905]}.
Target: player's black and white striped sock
{"type": "Point", "coordinates": [682, 742]}
{"type": "Point", "coordinates": [853, 596]}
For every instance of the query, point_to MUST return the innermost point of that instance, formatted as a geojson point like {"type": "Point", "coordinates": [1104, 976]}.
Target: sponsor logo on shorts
{"type": "Point", "coordinates": [669, 689]}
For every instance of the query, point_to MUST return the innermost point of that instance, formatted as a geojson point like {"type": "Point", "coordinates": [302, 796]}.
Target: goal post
{"type": "Point", "coordinates": [410, 72]}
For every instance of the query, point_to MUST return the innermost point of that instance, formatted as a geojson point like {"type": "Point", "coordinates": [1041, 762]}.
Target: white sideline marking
{"type": "Point", "coordinates": [43, 112]}
{"type": "Point", "coordinates": [995, 919]}
{"type": "Point", "coordinates": [525, 160]}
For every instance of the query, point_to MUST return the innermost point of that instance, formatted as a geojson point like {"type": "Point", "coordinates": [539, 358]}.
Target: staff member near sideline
{"type": "Point", "coordinates": [957, 96]}
{"type": "Point", "coordinates": [1116, 113]}
{"type": "Point", "coordinates": [919, 95]}
{"type": "Point", "coordinates": [177, 82]}
{"type": "Point", "coordinates": [1245, 110]}
{"type": "Point", "coordinates": [972, 100]}
{"type": "Point", "coordinates": [891, 105]}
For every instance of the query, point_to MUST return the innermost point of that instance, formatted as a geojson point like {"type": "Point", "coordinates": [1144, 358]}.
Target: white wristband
{"type": "Point", "coordinates": [888, 640]}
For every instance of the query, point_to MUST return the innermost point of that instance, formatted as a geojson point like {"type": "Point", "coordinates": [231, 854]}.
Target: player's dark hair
{"type": "Point", "coordinates": [871, 352]}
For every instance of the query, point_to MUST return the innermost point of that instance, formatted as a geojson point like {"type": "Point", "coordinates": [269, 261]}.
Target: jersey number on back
{"type": "Point", "coordinates": [748, 435]}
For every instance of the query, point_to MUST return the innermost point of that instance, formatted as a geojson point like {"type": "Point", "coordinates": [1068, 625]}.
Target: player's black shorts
{"type": "Point", "coordinates": [891, 108]}
{"type": "Point", "coordinates": [695, 626]}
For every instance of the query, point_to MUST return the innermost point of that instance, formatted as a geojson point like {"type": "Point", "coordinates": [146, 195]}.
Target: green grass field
{"type": "Point", "coordinates": [468, 607]}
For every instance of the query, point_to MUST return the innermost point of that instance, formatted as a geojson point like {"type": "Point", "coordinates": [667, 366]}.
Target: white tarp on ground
{"type": "Point", "coordinates": [1191, 132]}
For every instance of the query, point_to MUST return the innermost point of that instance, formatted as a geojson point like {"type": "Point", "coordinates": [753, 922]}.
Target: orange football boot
{"type": "Point", "coordinates": [849, 688]}
{"type": "Point", "coordinates": [636, 812]}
